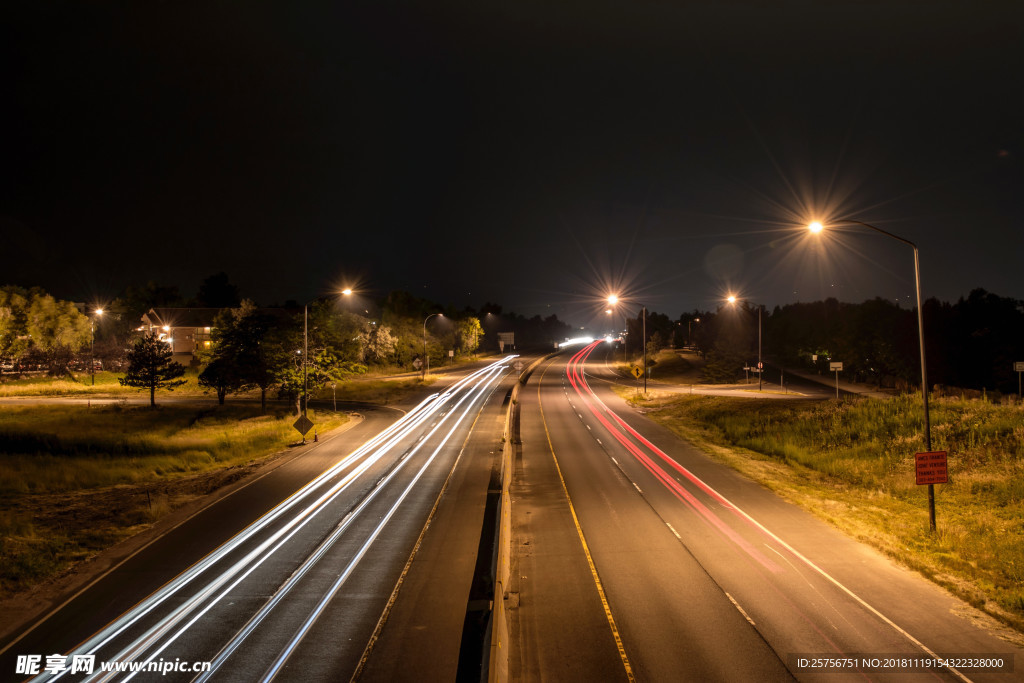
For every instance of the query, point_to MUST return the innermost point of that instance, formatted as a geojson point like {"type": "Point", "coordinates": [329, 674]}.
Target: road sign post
{"type": "Point", "coordinates": [1019, 367]}
{"type": "Point", "coordinates": [836, 367]}
{"type": "Point", "coordinates": [931, 469]}
{"type": "Point", "coordinates": [302, 426]}
{"type": "Point", "coordinates": [637, 372]}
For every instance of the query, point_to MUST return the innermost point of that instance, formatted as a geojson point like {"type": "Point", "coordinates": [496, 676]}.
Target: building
{"type": "Point", "coordinates": [187, 330]}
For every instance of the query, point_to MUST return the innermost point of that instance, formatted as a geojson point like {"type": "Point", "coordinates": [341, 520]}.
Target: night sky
{"type": "Point", "coordinates": [534, 154]}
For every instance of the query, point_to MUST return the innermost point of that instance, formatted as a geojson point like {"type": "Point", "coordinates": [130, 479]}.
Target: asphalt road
{"type": "Point", "coordinates": [289, 577]}
{"type": "Point", "coordinates": [653, 562]}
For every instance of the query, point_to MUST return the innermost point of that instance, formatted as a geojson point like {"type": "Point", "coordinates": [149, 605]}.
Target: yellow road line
{"type": "Point", "coordinates": [583, 541]}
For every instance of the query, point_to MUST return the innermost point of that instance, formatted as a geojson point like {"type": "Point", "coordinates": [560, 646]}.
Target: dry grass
{"type": "Point", "coordinates": [851, 463]}
{"type": "Point", "coordinates": [75, 480]}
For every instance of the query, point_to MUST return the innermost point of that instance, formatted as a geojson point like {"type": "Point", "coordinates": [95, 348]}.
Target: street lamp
{"type": "Point", "coordinates": [816, 227]}
{"type": "Point", "coordinates": [689, 324]}
{"type": "Point", "coordinates": [92, 344]}
{"type": "Point", "coordinates": [760, 366]}
{"type": "Point", "coordinates": [613, 300]}
{"type": "Point", "coordinates": [305, 351]}
{"type": "Point", "coordinates": [426, 358]}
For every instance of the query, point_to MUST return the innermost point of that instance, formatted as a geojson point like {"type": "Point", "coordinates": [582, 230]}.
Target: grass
{"type": "Point", "coordinates": [374, 390]}
{"type": "Point", "coordinates": [78, 385]}
{"type": "Point", "coordinates": [852, 463]}
{"type": "Point", "coordinates": [74, 480]}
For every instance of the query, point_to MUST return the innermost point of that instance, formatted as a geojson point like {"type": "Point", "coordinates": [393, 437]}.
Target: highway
{"type": "Point", "coordinates": [637, 557]}
{"type": "Point", "coordinates": [301, 589]}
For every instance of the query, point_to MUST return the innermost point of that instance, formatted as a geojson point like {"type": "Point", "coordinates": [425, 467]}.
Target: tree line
{"type": "Point", "coordinates": [258, 348]}
{"type": "Point", "coordinates": [972, 343]}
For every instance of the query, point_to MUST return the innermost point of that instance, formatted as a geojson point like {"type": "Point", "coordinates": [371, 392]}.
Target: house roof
{"type": "Point", "coordinates": [180, 317]}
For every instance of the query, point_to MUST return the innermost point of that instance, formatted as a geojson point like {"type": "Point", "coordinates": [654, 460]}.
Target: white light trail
{"type": "Point", "coordinates": [368, 454]}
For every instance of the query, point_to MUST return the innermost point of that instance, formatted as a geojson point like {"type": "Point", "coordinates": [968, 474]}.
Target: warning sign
{"type": "Point", "coordinates": [637, 371]}
{"type": "Point", "coordinates": [930, 468]}
{"type": "Point", "coordinates": [303, 425]}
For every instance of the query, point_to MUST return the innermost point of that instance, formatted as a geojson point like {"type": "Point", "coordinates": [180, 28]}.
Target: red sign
{"type": "Point", "coordinates": [930, 468]}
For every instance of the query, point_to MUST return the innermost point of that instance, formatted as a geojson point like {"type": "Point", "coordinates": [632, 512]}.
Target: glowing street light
{"type": "Point", "coordinates": [426, 358]}
{"type": "Point", "coordinates": [613, 299]}
{"type": "Point", "coordinates": [305, 352]}
{"type": "Point", "coordinates": [92, 344]}
{"type": "Point", "coordinates": [817, 227]}
{"type": "Point", "coordinates": [689, 326]}
{"type": "Point", "coordinates": [760, 366]}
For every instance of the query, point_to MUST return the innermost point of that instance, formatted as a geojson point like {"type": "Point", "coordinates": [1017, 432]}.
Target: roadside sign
{"type": "Point", "coordinates": [637, 371]}
{"type": "Point", "coordinates": [1018, 366]}
{"type": "Point", "coordinates": [451, 353]}
{"type": "Point", "coordinates": [930, 468]}
{"type": "Point", "coordinates": [417, 364]}
{"type": "Point", "coordinates": [760, 365]}
{"type": "Point", "coordinates": [518, 365]}
{"type": "Point", "coordinates": [303, 425]}
{"type": "Point", "coordinates": [835, 367]}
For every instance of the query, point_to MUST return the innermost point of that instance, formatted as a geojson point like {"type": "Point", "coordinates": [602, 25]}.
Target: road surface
{"type": "Point", "coordinates": [290, 577]}
{"type": "Point", "coordinates": [639, 558]}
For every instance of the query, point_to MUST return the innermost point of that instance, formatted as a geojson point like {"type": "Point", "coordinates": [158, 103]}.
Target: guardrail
{"type": "Point", "coordinates": [500, 651]}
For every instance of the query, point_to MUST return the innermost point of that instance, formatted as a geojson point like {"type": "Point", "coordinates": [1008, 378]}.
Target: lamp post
{"type": "Point", "coordinates": [689, 335]}
{"type": "Point", "coordinates": [816, 227]}
{"type": "Point", "coordinates": [305, 350]}
{"type": "Point", "coordinates": [92, 344]}
{"type": "Point", "coordinates": [613, 299]}
{"type": "Point", "coordinates": [426, 358]}
{"type": "Point", "coordinates": [643, 340]}
{"type": "Point", "coordinates": [760, 367]}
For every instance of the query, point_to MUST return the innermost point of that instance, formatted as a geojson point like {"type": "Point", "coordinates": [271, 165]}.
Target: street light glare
{"type": "Point", "coordinates": [816, 227]}
{"type": "Point", "coordinates": [99, 311]}
{"type": "Point", "coordinates": [346, 292]}
{"type": "Point", "coordinates": [731, 299]}
{"type": "Point", "coordinates": [613, 299]}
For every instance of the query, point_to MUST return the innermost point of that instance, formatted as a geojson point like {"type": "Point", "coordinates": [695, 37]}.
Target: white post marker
{"type": "Point", "coordinates": [837, 367]}
{"type": "Point", "coordinates": [1019, 367]}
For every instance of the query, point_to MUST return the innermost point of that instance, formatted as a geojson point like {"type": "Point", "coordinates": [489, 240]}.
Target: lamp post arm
{"type": "Point", "coordinates": [884, 232]}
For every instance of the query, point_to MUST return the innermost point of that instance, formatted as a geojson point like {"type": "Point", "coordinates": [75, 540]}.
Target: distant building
{"type": "Point", "coordinates": [187, 330]}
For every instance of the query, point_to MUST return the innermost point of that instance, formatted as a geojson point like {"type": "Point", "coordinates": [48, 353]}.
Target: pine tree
{"type": "Point", "coordinates": [150, 365]}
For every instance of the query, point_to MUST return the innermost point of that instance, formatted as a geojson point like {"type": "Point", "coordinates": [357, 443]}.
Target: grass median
{"type": "Point", "coordinates": [852, 464]}
{"type": "Point", "coordinates": [75, 480]}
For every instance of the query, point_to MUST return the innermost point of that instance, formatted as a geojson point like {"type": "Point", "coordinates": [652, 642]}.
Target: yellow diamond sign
{"type": "Point", "coordinates": [637, 371]}
{"type": "Point", "coordinates": [303, 425]}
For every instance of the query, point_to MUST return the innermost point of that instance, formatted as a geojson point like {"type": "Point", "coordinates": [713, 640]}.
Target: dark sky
{"type": "Point", "coordinates": [537, 154]}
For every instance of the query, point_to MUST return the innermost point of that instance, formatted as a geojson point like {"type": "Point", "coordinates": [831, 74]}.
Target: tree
{"type": "Point", "coordinates": [469, 332]}
{"type": "Point", "coordinates": [221, 376]}
{"type": "Point", "coordinates": [150, 366]}
{"type": "Point", "coordinates": [217, 291]}
{"type": "Point", "coordinates": [247, 341]}
{"type": "Point", "coordinates": [34, 323]}
{"type": "Point", "coordinates": [377, 344]}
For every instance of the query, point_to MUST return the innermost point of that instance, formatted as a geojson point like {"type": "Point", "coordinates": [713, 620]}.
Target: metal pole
{"type": "Point", "coordinates": [644, 341]}
{"type": "Point", "coordinates": [305, 352]}
{"type": "Point", "coordinates": [924, 385]}
{"type": "Point", "coordinates": [92, 350]}
{"type": "Point", "coordinates": [426, 358]}
{"type": "Point", "coordinates": [760, 367]}
{"type": "Point", "coordinates": [924, 365]}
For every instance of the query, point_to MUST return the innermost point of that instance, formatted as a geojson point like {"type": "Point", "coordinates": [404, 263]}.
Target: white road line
{"type": "Point", "coordinates": [737, 606]}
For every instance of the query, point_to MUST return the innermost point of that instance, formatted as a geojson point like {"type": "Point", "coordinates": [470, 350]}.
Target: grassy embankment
{"type": "Point", "coordinates": [851, 463]}
{"type": "Point", "coordinates": [75, 480]}
{"type": "Point", "coordinates": [370, 388]}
